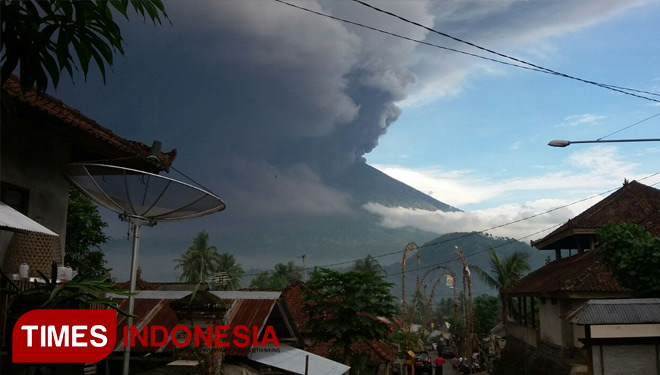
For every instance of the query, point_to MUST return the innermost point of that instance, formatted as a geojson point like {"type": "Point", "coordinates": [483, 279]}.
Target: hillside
{"type": "Point", "coordinates": [442, 250]}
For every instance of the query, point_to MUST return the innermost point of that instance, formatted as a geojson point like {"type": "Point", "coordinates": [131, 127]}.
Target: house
{"type": "Point", "coordinates": [381, 355]}
{"type": "Point", "coordinates": [39, 136]}
{"type": "Point", "coordinates": [167, 305]}
{"type": "Point", "coordinates": [621, 336]}
{"type": "Point", "coordinates": [539, 340]}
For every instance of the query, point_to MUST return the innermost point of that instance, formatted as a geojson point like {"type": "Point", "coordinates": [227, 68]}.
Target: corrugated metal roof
{"type": "Point", "coordinates": [293, 360]}
{"type": "Point", "coordinates": [177, 294]}
{"type": "Point", "coordinates": [616, 311]}
{"type": "Point", "coordinates": [14, 221]}
{"type": "Point", "coordinates": [152, 307]}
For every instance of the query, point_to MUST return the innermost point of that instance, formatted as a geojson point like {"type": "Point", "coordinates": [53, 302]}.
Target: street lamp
{"type": "Point", "coordinates": [564, 143]}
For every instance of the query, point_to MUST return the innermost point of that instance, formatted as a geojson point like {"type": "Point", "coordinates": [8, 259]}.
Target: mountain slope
{"type": "Point", "coordinates": [367, 184]}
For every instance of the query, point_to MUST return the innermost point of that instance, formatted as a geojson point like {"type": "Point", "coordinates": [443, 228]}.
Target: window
{"type": "Point", "coordinates": [15, 197]}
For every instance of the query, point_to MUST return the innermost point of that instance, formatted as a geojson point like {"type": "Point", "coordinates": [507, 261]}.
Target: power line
{"type": "Point", "coordinates": [478, 232]}
{"type": "Point", "coordinates": [629, 126]}
{"type": "Point", "coordinates": [619, 89]}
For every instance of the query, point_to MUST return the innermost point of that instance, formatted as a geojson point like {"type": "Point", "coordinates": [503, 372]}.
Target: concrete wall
{"type": "Point", "coordinates": [550, 323]}
{"type": "Point", "coordinates": [525, 334]}
{"type": "Point", "coordinates": [33, 159]}
{"type": "Point", "coordinates": [628, 330]}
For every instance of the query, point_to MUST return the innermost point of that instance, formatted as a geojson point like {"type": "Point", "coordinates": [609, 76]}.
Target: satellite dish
{"type": "Point", "coordinates": [141, 198]}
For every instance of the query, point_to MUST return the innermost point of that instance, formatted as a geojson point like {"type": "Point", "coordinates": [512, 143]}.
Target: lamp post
{"type": "Point", "coordinates": [564, 143]}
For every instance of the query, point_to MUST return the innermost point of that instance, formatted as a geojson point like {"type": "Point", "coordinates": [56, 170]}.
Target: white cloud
{"type": "Point", "coordinates": [586, 173]}
{"type": "Point", "coordinates": [579, 120]}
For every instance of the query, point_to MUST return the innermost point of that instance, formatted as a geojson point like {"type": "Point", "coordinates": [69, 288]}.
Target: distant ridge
{"type": "Point", "coordinates": [367, 184]}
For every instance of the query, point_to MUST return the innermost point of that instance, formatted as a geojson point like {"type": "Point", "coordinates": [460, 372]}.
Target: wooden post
{"type": "Point", "coordinates": [307, 364]}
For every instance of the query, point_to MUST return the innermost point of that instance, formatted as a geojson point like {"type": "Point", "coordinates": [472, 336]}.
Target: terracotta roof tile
{"type": "Point", "coordinates": [583, 273]}
{"type": "Point", "coordinates": [65, 116]}
{"type": "Point", "coordinates": [634, 202]}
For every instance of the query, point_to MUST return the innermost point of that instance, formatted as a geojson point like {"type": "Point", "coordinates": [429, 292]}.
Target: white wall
{"type": "Point", "coordinates": [628, 330]}
{"type": "Point", "coordinates": [32, 158]}
{"type": "Point", "coordinates": [550, 322]}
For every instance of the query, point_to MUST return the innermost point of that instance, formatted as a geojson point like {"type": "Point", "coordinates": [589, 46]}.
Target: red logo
{"type": "Point", "coordinates": [56, 336]}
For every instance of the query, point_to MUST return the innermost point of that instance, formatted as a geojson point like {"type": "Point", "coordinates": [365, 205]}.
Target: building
{"type": "Point", "coordinates": [166, 305]}
{"type": "Point", "coordinates": [538, 338]}
{"type": "Point", "coordinates": [39, 136]}
{"type": "Point", "coordinates": [621, 336]}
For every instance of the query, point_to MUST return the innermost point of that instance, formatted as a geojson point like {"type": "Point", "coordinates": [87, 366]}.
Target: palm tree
{"type": "Point", "coordinates": [230, 272]}
{"type": "Point", "coordinates": [369, 264]}
{"type": "Point", "coordinates": [287, 273]}
{"type": "Point", "coordinates": [200, 261]}
{"type": "Point", "coordinates": [504, 272]}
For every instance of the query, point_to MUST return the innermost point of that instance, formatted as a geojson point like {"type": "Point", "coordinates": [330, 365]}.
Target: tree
{"type": "Point", "coordinates": [485, 313]}
{"type": "Point", "coordinates": [346, 308]}
{"type": "Point", "coordinates": [278, 279]}
{"type": "Point", "coordinates": [368, 264]}
{"type": "Point", "coordinates": [633, 256]}
{"type": "Point", "coordinates": [44, 38]}
{"type": "Point", "coordinates": [200, 261]}
{"type": "Point", "coordinates": [230, 272]}
{"type": "Point", "coordinates": [504, 272]}
{"type": "Point", "coordinates": [84, 233]}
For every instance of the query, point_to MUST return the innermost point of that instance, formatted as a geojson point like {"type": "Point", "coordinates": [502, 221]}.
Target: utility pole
{"type": "Point", "coordinates": [304, 267]}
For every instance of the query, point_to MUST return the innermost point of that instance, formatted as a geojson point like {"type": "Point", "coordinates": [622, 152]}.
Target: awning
{"type": "Point", "coordinates": [293, 360]}
{"type": "Point", "coordinates": [14, 221]}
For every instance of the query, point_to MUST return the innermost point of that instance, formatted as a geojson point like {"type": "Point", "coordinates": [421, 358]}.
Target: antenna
{"type": "Point", "coordinates": [140, 198]}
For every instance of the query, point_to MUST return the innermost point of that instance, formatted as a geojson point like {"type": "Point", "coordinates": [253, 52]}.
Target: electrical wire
{"type": "Point", "coordinates": [618, 89]}
{"type": "Point", "coordinates": [629, 126]}
{"type": "Point", "coordinates": [466, 235]}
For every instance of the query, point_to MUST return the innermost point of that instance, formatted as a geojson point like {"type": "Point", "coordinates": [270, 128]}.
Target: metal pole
{"type": "Point", "coordinates": [131, 298]}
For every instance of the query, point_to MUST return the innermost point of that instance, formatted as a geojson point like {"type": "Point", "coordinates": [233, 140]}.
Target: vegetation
{"type": "Point", "coordinates": [369, 264]}
{"type": "Point", "coordinates": [228, 273]}
{"type": "Point", "coordinates": [45, 38]}
{"type": "Point", "coordinates": [504, 272]}
{"type": "Point", "coordinates": [200, 261]}
{"type": "Point", "coordinates": [84, 233]}
{"type": "Point", "coordinates": [347, 308]}
{"type": "Point", "coordinates": [485, 313]}
{"type": "Point", "coordinates": [633, 255]}
{"type": "Point", "coordinates": [278, 279]}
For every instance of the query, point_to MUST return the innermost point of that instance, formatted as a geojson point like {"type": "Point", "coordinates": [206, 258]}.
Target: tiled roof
{"type": "Point", "coordinates": [617, 311]}
{"type": "Point", "coordinates": [71, 120]}
{"type": "Point", "coordinates": [293, 296]}
{"type": "Point", "coordinates": [634, 202]}
{"type": "Point", "coordinates": [583, 273]}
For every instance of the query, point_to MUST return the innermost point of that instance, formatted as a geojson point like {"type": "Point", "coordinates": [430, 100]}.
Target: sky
{"type": "Point", "coordinates": [266, 103]}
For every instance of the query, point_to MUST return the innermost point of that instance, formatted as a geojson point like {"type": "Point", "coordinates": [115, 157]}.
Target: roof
{"type": "Point", "coordinates": [154, 307]}
{"type": "Point", "coordinates": [98, 140]}
{"type": "Point", "coordinates": [584, 273]}
{"type": "Point", "coordinates": [634, 202]}
{"type": "Point", "coordinates": [293, 360]}
{"type": "Point", "coordinates": [14, 221]}
{"type": "Point", "coordinates": [616, 311]}
{"type": "Point", "coordinates": [293, 297]}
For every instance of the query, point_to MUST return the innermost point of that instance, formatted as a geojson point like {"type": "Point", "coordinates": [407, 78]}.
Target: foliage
{"type": "Point", "coordinates": [200, 261]}
{"type": "Point", "coordinates": [81, 292]}
{"type": "Point", "coordinates": [345, 308]}
{"type": "Point", "coordinates": [84, 231]}
{"type": "Point", "coordinates": [504, 272]}
{"type": "Point", "coordinates": [44, 38]}
{"type": "Point", "coordinates": [369, 264]}
{"type": "Point", "coordinates": [230, 272]}
{"type": "Point", "coordinates": [279, 278]}
{"type": "Point", "coordinates": [485, 313]}
{"type": "Point", "coordinates": [633, 255]}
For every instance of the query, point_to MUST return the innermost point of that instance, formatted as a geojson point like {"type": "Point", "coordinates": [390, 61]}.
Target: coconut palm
{"type": "Point", "coordinates": [277, 279]}
{"type": "Point", "coordinates": [504, 272]}
{"type": "Point", "coordinates": [369, 264]}
{"type": "Point", "coordinates": [228, 272]}
{"type": "Point", "coordinates": [200, 261]}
